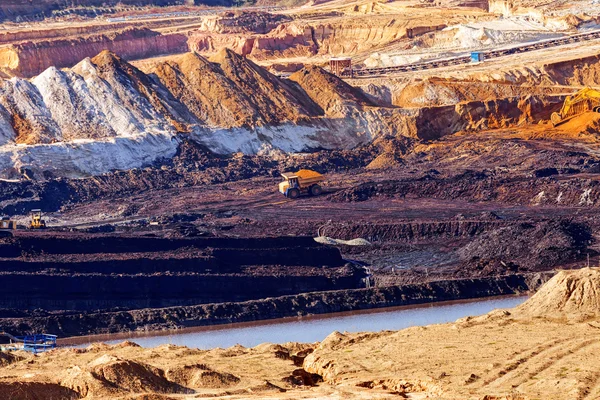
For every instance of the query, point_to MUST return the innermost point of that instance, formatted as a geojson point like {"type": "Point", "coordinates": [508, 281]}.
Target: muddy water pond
{"type": "Point", "coordinates": [309, 329]}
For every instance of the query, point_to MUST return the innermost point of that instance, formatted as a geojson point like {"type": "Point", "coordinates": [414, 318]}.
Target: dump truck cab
{"type": "Point", "coordinates": [304, 181]}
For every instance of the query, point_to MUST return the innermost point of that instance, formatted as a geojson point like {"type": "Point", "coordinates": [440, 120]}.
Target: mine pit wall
{"type": "Point", "coordinates": [13, 37]}
{"type": "Point", "coordinates": [120, 244]}
{"type": "Point", "coordinates": [286, 306]}
{"type": "Point", "coordinates": [31, 58]}
{"type": "Point", "coordinates": [289, 40]}
{"type": "Point", "coordinates": [102, 292]}
{"type": "Point", "coordinates": [92, 273]}
{"type": "Point", "coordinates": [504, 7]}
{"type": "Point", "coordinates": [436, 122]}
{"type": "Point", "coordinates": [409, 231]}
{"type": "Point", "coordinates": [582, 72]}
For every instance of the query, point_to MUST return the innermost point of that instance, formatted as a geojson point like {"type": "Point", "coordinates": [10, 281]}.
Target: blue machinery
{"type": "Point", "coordinates": [36, 343]}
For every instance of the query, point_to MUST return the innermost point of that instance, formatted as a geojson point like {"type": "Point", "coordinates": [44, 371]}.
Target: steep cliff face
{"type": "Point", "coordinates": [299, 38]}
{"type": "Point", "coordinates": [435, 122]}
{"type": "Point", "coordinates": [31, 58]}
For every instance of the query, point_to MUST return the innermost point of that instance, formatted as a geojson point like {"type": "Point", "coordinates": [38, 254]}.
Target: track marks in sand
{"type": "Point", "coordinates": [520, 359]}
{"type": "Point", "coordinates": [548, 355]}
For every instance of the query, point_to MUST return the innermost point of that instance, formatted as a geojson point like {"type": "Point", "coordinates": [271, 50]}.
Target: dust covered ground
{"type": "Point", "coordinates": [544, 348]}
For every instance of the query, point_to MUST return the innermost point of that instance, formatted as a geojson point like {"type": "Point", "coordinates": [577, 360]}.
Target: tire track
{"type": "Point", "coordinates": [523, 370]}
{"type": "Point", "coordinates": [521, 359]}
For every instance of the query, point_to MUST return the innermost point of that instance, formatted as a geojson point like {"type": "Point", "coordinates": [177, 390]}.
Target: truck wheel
{"type": "Point", "coordinates": [293, 193]}
{"type": "Point", "coordinates": [316, 190]}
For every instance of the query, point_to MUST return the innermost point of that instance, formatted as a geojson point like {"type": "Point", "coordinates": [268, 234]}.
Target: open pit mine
{"type": "Point", "coordinates": [142, 147]}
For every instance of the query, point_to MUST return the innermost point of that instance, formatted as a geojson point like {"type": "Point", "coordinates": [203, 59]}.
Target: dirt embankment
{"type": "Point", "coordinates": [31, 58]}
{"type": "Point", "coordinates": [76, 324]}
{"type": "Point", "coordinates": [485, 186]}
{"type": "Point", "coordinates": [128, 272]}
{"type": "Point", "coordinates": [306, 38]}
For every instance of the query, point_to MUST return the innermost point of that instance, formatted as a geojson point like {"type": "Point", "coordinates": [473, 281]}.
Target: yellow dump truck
{"type": "Point", "coordinates": [304, 181]}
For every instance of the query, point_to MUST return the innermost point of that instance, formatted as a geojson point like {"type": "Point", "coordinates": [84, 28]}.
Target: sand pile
{"type": "Point", "coordinates": [573, 294]}
{"type": "Point", "coordinates": [35, 390]}
{"type": "Point", "coordinates": [212, 98]}
{"type": "Point", "coordinates": [230, 91]}
{"type": "Point", "coordinates": [585, 124]}
{"type": "Point", "coordinates": [201, 376]}
{"type": "Point", "coordinates": [274, 98]}
{"type": "Point", "coordinates": [135, 377]}
{"type": "Point", "coordinates": [331, 93]}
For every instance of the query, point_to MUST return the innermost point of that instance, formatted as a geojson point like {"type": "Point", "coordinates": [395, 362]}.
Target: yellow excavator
{"type": "Point", "coordinates": [587, 99]}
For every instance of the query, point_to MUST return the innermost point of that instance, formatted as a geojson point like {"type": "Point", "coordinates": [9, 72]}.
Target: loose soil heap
{"type": "Point", "coordinates": [570, 294]}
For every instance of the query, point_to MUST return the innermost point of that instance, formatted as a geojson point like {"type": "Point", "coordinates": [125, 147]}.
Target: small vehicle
{"type": "Point", "coordinates": [7, 224]}
{"type": "Point", "coordinates": [304, 181]}
{"type": "Point", "coordinates": [36, 220]}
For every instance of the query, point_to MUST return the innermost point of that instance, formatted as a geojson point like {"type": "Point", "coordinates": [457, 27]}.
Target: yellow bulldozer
{"type": "Point", "coordinates": [36, 220]}
{"type": "Point", "coordinates": [304, 181]}
{"type": "Point", "coordinates": [7, 224]}
{"type": "Point", "coordinates": [585, 100]}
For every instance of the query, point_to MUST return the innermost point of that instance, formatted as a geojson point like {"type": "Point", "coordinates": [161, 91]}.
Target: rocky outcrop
{"type": "Point", "coordinates": [301, 39]}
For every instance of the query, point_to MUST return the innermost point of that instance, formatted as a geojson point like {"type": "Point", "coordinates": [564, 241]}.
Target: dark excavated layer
{"type": "Point", "coordinates": [75, 324]}
{"type": "Point", "coordinates": [85, 273]}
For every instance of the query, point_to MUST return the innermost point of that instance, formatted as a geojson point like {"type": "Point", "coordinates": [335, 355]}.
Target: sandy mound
{"type": "Point", "coordinates": [230, 91]}
{"type": "Point", "coordinates": [201, 376]}
{"type": "Point", "coordinates": [134, 377]}
{"type": "Point", "coordinates": [35, 391]}
{"type": "Point", "coordinates": [8, 358]}
{"type": "Point", "coordinates": [569, 293]}
{"type": "Point", "coordinates": [275, 99]}
{"type": "Point", "coordinates": [588, 123]}
{"type": "Point", "coordinates": [330, 92]}
{"type": "Point", "coordinates": [385, 160]}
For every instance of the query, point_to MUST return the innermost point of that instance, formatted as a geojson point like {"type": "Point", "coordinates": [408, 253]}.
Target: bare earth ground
{"type": "Point", "coordinates": [543, 349]}
{"type": "Point", "coordinates": [458, 175]}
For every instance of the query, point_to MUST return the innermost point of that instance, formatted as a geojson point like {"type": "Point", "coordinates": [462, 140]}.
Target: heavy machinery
{"type": "Point", "coordinates": [7, 224]}
{"type": "Point", "coordinates": [587, 99]}
{"type": "Point", "coordinates": [36, 220]}
{"type": "Point", "coordinates": [36, 343]}
{"type": "Point", "coordinates": [304, 181]}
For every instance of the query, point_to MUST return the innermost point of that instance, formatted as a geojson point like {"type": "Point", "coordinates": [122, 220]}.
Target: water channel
{"type": "Point", "coordinates": [309, 329]}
